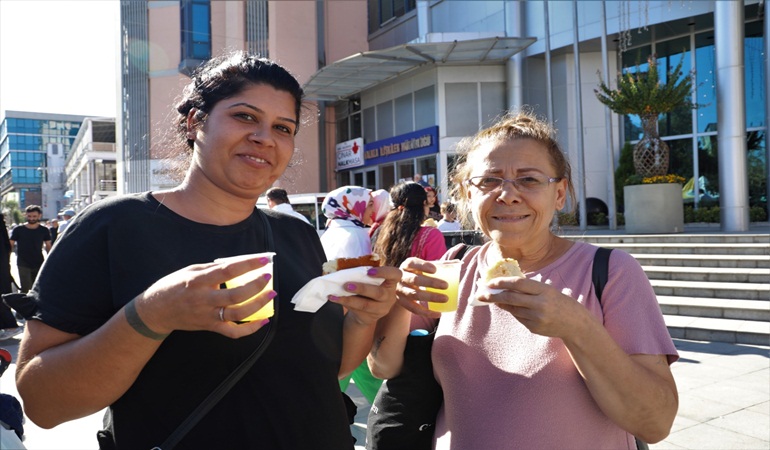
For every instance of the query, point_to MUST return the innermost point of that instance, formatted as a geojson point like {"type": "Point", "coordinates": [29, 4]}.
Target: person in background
{"type": "Point", "coordinates": [348, 209]}
{"type": "Point", "coordinates": [131, 316]}
{"type": "Point", "coordinates": [66, 215]}
{"type": "Point", "coordinates": [434, 210]}
{"type": "Point", "coordinates": [346, 235]}
{"type": "Point", "coordinates": [542, 363]}
{"type": "Point", "coordinates": [449, 220]}
{"type": "Point", "coordinates": [402, 235]}
{"type": "Point", "coordinates": [278, 199]}
{"type": "Point", "coordinates": [31, 238]}
{"type": "Point", "coordinates": [419, 180]}
{"type": "Point", "coordinates": [380, 209]}
{"type": "Point", "coordinates": [8, 325]}
{"type": "Point", "coordinates": [54, 229]}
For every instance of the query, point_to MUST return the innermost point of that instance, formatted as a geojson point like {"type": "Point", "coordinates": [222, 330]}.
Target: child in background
{"type": "Point", "coordinates": [449, 220]}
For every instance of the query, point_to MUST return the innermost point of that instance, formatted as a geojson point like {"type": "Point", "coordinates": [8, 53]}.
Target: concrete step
{"type": "Point", "coordinates": [722, 308]}
{"type": "Point", "coordinates": [712, 274]}
{"type": "Point", "coordinates": [695, 248]}
{"type": "Point", "coordinates": [602, 239]}
{"type": "Point", "coordinates": [734, 331]}
{"type": "Point", "coordinates": [708, 289]}
{"type": "Point", "coordinates": [727, 261]}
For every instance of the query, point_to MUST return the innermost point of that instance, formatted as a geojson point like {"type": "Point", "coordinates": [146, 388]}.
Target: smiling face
{"type": "Point", "coordinates": [245, 143]}
{"type": "Point", "coordinates": [515, 219]}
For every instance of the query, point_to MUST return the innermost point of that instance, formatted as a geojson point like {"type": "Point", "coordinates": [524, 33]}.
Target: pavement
{"type": "Point", "coordinates": [724, 396]}
{"type": "Point", "coordinates": [724, 402]}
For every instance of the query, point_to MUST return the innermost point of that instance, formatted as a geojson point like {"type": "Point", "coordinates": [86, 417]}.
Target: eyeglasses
{"type": "Point", "coordinates": [529, 183]}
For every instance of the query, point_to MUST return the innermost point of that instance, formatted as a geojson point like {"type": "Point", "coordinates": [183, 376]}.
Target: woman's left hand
{"type": "Point", "coordinates": [537, 305]}
{"type": "Point", "coordinates": [371, 302]}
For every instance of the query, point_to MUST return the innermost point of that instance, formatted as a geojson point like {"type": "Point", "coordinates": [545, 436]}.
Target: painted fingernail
{"type": "Point", "coordinates": [264, 322]}
{"type": "Point", "coordinates": [271, 295]}
{"type": "Point", "coordinates": [267, 276]}
{"type": "Point", "coordinates": [372, 271]}
{"type": "Point", "coordinates": [350, 287]}
{"type": "Point", "coordinates": [333, 298]}
{"type": "Point", "coordinates": [264, 260]}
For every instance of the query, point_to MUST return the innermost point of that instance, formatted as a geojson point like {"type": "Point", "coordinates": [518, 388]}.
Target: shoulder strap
{"type": "Point", "coordinates": [216, 395]}
{"type": "Point", "coordinates": [460, 253]}
{"type": "Point", "coordinates": [600, 271]}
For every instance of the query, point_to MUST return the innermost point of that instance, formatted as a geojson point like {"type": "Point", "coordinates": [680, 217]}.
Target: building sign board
{"type": "Point", "coordinates": [409, 145]}
{"type": "Point", "coordinates": [350, 154]}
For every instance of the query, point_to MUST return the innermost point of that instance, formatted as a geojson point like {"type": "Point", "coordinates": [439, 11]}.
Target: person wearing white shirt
{"type": "Point", "coordinates": [278, 200]}
{"type": "Point", "coordinates": [449, 220]}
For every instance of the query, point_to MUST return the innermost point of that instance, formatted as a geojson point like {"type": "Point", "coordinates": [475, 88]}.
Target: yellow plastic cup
{"type": "Point", "coordinates": [268, 310]}
{"type": "Point", "coordinates": [448, 271]}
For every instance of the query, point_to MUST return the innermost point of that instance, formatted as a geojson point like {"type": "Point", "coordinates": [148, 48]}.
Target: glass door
{"type": "Point", "coordinates": [366, 178]}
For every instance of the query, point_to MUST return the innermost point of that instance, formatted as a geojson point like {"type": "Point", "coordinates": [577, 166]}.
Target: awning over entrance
{"type": "Point", "coordinates": [367, 69]}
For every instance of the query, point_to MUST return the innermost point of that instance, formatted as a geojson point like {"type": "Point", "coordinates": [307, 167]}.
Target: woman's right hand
{"type": "Point", "coordinates": [414, 277]}
{"type": "Point", "coordinates": [190, 299]}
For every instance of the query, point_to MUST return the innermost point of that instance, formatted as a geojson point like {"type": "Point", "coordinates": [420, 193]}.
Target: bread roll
{"type": "Point", "coordinates": [507, 267]}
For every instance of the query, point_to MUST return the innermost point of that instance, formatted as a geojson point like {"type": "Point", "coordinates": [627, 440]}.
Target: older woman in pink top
{"type": "Point", "coordinates": [542, 364]}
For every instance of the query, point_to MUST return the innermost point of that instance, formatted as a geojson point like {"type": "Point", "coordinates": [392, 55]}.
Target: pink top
{"type": "Point", "coordinates": [505, 387]}
{"type": "Point", "coordinates": [429, 244]}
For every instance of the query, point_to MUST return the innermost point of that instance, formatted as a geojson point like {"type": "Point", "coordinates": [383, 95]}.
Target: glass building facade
{"type": "Point", "coordinates": [26, 140]}
{"type": "Point", "coordinates": [692, 135]}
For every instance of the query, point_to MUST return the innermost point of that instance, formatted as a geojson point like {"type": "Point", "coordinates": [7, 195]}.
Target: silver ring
{"type": "Point", "coordinates": [222, 314]}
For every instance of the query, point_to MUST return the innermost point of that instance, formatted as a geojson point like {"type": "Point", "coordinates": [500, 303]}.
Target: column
{"type": "Point", "coordinates": [731, 116]}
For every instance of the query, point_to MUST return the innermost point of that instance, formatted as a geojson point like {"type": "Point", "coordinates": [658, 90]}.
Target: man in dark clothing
{"type": "Point", "coordinates": [8, 325]}
{"type": "Point", "coordinates": [30, 238]}
{"type": "Point", "coordinates": [54, 229]}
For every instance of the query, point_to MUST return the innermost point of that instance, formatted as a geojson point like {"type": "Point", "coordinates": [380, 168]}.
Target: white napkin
{"type": "Point", "coordinates": [481, 288]}
{"type": "Point", "coordinates": [313, 295]}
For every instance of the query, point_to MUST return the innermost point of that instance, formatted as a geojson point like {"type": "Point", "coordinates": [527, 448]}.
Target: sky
{"type": "Point", "coordinates": [59, 56]}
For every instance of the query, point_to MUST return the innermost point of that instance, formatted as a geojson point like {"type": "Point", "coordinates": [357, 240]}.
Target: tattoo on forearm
{"type": "Point", "coordinates": [377, 345]}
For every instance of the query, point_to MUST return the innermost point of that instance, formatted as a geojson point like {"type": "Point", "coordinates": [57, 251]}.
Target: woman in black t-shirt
{"type": "Point", "coordinates": [131, 315]}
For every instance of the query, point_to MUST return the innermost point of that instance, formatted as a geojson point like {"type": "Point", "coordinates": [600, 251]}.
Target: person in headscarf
{"type": "Point", "coordinates": [380, 208]}
{"type": "Point", "coordinates": [348, 209]}
{"type": "Point", "coordinates": [346, 235]}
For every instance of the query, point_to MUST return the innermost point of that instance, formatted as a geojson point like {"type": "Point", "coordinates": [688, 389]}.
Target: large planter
{"type": "Point", "coordinates": [653, 208]}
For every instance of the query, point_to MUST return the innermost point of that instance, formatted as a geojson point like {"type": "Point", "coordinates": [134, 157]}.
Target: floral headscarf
{"type": "Point", "coordinates": [347, 203]}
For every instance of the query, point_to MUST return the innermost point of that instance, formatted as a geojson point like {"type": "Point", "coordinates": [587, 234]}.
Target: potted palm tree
{"type": "Point", "coordinates": [643, 93]}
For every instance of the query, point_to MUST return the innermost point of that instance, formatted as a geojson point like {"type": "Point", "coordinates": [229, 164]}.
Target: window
{"type": "Point", "coordinates": [195, 34]}
{"type": "Point", "coordinates": [385, 120]}
{"type": "Point", "coordinates": [404, 114]}
{"type": "Point", "coordinates": [348, 114]}
{"type": "Point", "coordinates": [462, 109]}
{"type": "Point", "coordinates": [425, 108]}
{"type": "Point", "coordinates": [383, 11]}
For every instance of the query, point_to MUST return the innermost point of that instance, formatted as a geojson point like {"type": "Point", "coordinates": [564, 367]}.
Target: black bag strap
{"type": "Point", "coordinates": [216, 395]}
{"type": "Point", "coordinates": [599, 276]}
{"type": "Point", "coordinates": [600, 271]}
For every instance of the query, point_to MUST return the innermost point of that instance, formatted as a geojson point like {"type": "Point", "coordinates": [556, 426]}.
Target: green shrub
{"type": "Point", "coordinates": [567, 219]}
{"type": "Point", "coordinates": [757, 214]}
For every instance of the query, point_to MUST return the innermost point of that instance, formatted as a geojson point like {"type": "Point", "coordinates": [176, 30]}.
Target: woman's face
{"type": "Point", "coordinates": [507, 215]}
{"type": "Point", "coordinates": [246, 142]}
{"type": "Point", "coordinates": [431, 198]}
{"type": "Point", "coordinates": [369, 212]}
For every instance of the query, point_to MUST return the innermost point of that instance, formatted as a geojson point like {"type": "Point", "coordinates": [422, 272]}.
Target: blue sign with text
{"type": "Point", "coordinates": [409, 145]}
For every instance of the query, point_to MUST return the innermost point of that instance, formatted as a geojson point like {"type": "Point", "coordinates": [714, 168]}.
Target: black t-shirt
{"type": "Point", "coordinates": [290, 399]}
{"type": "Point", "coordinates": [29, 245]}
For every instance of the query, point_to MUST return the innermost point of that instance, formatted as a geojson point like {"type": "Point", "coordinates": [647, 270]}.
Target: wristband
{"type": "Point", "coordinates": [132, 316]}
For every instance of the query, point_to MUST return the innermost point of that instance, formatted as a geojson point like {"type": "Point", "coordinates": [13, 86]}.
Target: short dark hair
{"type": "Point", "coordinates": [278, 195]}
{"type": "Point", "coordinates": [33, 208]}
